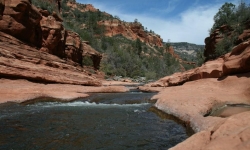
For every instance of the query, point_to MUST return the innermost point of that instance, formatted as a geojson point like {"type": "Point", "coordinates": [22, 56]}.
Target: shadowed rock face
{"type": "Point", "coordinates": [22, 20]}
{"type": "Point", "coordinates": [1, 8]}
{"type": "Point", "coordinates": [53, 36]}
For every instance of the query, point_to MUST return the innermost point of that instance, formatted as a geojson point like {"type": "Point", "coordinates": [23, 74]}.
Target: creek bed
{"type": "Point", "coordinates": [101, 121]}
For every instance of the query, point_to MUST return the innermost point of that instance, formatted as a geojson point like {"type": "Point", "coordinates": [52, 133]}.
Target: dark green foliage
{"type": "Point", "coordinates": [235, 18]}
{"type": "Point", "coordinates": [45, 5]}
{"type": "Point", "coordinates": [87, 61]}
{"type": "Point", "coordinates": [223, 46]}
{"type": "Point", "coordinates": [200, 58]}
{"type": "Point", "coordinates": [138, 46]}
{"type": "Point", "coordinates": [224, 16]}
{"type": "Point", "coordinates": [122, 59]}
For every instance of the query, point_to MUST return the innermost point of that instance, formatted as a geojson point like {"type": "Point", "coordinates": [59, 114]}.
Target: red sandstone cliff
{"type": "Point", "coordinates": [54, 54]}
{"type": "Point", "coordinates": [130, 30]}
{"type": "Point", "coordinates": [81, 7]}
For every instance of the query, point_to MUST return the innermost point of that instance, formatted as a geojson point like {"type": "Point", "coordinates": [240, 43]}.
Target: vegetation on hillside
{"type": "Point", "coordinates": [235, 19]}
{"type": "Point", "coordinates": [121, 56]}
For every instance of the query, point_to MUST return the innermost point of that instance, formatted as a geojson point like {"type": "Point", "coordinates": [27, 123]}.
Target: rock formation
{"type": "Point", "coordinates": [53, 55]}
{"type": "Point", "coordinates": [193, 100]}
{"type": "Point", "coordinates": [88, 51]}
{"type": "Point", "coordinates": [81, 7]}
{"type": "Point", "coordinates": [234, 62]}
{"type": "Point", "coordinates": [132, 30]}
{"type": "Point", "coordinates": [20, 61]}
{"type": "Point", "coordinates": [22, 20]}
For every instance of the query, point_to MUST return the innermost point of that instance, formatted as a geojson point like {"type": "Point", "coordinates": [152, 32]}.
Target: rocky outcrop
{"type": "Point", "coordinates": [95, 56]}
{"type": "Point", "coordinates": [132, 30]}
{"type": "Point", "coordinates": [53, 36]}
{"type": "Point", "coordinates": [41, 29]}
{"type": "Point", "coordinates": [214, 38]}
{"type": "Point", "coordinates": [82, 7]}
{"type": "Point", "coordinates": [22, 20]}
{"type": "Point", "coordinates": [238, 61]}
{"type": "Point", "coordinates": [73, 49]}
{"type": "Point", "coordinates": [20, 61]}
{"type": "Point", "coordinates": [232, 63]}
{"type": "Point", "coordinates": [35, 41]}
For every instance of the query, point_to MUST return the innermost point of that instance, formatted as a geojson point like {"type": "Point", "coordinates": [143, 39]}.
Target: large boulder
{"type": "Point", "coordinates": [95, 56]}
{"type": "Point", "coordinates": [73, 49]}
{"type": "Point", "coordinates": [21, 20]}
{"type": "Point", "coordinates": [238, 61]}
{"type": "Point", "coordinates": [53, 36]}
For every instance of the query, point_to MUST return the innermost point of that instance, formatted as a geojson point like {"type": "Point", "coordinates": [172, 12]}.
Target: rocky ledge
{"type": "Point", "coordinates": [192, 95]}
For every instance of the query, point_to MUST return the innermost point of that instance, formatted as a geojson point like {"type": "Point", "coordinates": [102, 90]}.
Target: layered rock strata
{"type": "Point", "coordinates": [20, 61]}
{"type": "Point", "coordinates": [132, 30]}
{"type": "Point", "coordinates": [36, 46]}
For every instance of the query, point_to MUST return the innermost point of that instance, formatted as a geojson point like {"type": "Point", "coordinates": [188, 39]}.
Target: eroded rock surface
{"type": "Point", "coordinates": [41, 29]}
{"type": "Point", "coordinates": [18, 60]}
{"type": "Point", "coordinates": [21, 20]}
{"type": "Point", "coordinates": [132, 30]}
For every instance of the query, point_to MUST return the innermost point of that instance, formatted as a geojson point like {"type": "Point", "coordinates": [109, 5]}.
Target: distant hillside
{"type": "Point", "coordinates": [187, 51]}
{"type": "Point", "coordinates": [187, 48]}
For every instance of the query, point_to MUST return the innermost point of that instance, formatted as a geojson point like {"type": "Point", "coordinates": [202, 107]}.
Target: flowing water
{"type": "Point", "coordinates": [102, 121]}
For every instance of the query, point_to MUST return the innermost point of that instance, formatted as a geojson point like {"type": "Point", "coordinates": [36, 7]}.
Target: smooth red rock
{"type": "Point", "coordinates": [211, 69]}
{"type": "Point", "coordinates": [238, 61]}
{"type": "Point", "coordinates": [25, 91]}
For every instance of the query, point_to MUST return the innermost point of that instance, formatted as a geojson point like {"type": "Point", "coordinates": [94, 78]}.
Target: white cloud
{"type": "Point", "coordinates": [191, 26]}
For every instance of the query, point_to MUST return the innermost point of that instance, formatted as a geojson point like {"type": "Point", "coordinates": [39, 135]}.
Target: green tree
{"type": "Point", "coordinates": [224, 16]}
{"type": "Point", "coordinates": [138, 46]}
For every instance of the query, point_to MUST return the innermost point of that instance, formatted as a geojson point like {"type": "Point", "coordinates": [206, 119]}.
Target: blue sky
{"type": "Point", "coordinates": [174, 20]}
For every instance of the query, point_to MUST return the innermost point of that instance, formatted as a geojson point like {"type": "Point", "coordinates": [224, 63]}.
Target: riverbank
{"type": "Point", "coordinates": [194, 100]}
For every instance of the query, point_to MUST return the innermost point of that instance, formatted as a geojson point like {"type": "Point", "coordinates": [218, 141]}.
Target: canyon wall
{"type": "Point", "coordinates": [29, 32]}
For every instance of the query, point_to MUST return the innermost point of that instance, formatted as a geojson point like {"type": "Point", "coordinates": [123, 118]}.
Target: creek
{"type": "Point", "coordinates": [101, 121]}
